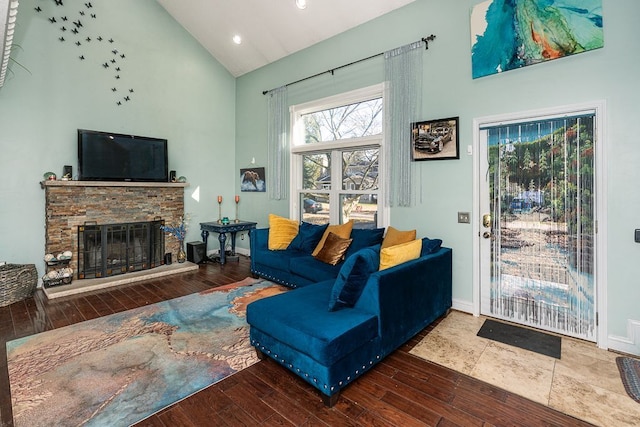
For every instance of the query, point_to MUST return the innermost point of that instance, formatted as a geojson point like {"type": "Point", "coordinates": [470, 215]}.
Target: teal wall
{"type": "Point", "coordinates": [609, 73]}
{"type": "Point", "coordinates": [180, 93]}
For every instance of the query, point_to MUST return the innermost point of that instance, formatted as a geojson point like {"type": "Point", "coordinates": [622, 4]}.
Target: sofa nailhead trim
{"type": "Point", "coordinates": [272, 278]}
{"type": "Point", "coordinates": [315, 380]}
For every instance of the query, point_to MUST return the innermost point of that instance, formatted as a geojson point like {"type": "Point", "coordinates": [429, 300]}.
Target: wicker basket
{"type": "Point", "coordinates": [17, 282]}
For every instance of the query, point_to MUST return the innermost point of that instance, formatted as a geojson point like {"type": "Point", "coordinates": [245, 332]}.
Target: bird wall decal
{"type": "Point", "coordinates": [74, 34]}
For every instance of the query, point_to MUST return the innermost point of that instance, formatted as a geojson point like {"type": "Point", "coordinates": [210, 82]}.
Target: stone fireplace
{"type": "Point", "coordinates": [73, 204]}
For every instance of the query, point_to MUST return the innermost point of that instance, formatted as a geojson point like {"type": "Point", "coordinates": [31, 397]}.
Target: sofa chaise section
{"type": "Point", "coordinates": [330, 349]}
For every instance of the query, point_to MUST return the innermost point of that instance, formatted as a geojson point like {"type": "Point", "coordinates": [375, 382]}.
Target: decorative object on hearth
{"type": "Point", "coordinates": [219, 209]}
{"type": "Point", "coordinates": [67, 173]}
{"type": "Point", "coordinates": [237, 201]}
{"type": "Point", "coordinates": [58, 270]}
{"type": "Point", "coordinates": [119, 369]}
{"type": "Point", "coordinates": [17, 282]}
{"type": "Point", "coordinates": [182, 179]}
{"type": "Point", "coordinates": [179, 232]}
{"type": "Point", "coordinates": [49, 176]}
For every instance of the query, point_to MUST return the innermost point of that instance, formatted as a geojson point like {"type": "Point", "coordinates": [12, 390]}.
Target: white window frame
{"type": "Point", "coordinates": [299, 148]}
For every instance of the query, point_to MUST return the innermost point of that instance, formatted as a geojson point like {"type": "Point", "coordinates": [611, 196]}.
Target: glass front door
{"type": "Point", "coordinates": [538, 228]}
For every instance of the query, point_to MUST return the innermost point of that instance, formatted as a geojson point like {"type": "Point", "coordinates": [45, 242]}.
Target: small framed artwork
{"type": "Point", "coordinates": [252, 179]}
{"type": "Point", "coordinates": [435, 140]}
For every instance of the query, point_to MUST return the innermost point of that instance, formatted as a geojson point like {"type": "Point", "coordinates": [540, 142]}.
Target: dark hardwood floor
{"type": "Point", "coordinates": [402, 390]}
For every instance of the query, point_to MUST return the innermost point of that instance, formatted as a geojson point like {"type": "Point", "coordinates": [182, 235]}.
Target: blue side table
{"type": "Point", "coordinates": [222, 230]}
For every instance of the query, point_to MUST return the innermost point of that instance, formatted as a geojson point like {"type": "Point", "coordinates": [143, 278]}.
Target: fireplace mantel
{"type": "Point", "coordinates": [63, 183]}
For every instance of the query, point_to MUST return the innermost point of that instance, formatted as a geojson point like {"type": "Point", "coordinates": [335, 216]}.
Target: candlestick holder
{"type": "Point", "coordinates": [219, 209]}
{"type": "Point", "coordinates": [237, 201]}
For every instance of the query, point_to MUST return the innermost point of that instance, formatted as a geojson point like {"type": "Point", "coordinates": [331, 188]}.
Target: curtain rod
{"type": "Point", "coordinates": [425, 40]}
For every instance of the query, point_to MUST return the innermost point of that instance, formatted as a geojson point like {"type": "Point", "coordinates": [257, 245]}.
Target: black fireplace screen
{"type": "Point", "coordinates": [112, 249]}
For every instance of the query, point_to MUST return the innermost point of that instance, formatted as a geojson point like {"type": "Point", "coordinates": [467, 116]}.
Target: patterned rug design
{"type": "Point", "coordinates": [630, 375]}
{"type": "Point", "coordinates": [119, 369]}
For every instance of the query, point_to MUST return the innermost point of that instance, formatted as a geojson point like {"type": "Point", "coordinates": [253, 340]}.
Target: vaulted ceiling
{"type": "Point", "coordinates": [270, 29]}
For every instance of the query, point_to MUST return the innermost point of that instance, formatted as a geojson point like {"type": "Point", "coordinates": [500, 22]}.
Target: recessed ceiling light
{"type": "Point", "coordinates": [302, 4]}
{"type": "Point", "coordinates": [237, 39]}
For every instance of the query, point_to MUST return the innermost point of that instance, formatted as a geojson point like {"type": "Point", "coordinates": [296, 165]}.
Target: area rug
{"type": "Point", "coordinates": [630, 374]}
{"type": "Point", "coordinates": [527, 339]}
{"type": "Point", "coordinates": [119, 369]}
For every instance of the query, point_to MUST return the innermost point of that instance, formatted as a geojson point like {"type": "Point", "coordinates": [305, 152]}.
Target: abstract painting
{"type": "Point", "coordinates": [510, 34]}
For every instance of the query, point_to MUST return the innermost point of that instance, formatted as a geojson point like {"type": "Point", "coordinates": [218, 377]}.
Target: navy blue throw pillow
{"type": "Point", "coordinates": [364, 238]}
{"type": "Point", "coordinates": [308, 237]}
{"type": "Point", "coordinates": [430, 246]}
{"type": "Point", "coordinates": [353, 277]}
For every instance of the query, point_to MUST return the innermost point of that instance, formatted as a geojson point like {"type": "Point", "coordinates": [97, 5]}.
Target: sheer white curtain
{"type": "Point", "coordinates": [278, 144]}
{"type": "Point", "coordinates": [403, 95]}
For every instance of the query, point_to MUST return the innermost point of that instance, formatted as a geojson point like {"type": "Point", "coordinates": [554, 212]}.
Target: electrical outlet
{"type": "Point", "coordinates": [464, 217]}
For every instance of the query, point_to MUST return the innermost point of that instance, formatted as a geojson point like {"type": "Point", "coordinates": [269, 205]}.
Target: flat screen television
{"type": "Point", "coordinates": [104, 156]}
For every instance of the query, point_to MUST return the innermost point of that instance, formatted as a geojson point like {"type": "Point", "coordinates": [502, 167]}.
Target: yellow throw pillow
{"type": "Point", "coordinates": [333, 250]}
{"type": "Point", "coordinates": [342, 230]}
{"type": "Point", "coordinates": [281, 232]}
{"type": "Point", "coordinates": [398, 254]}
{"type": "Point", "coordinates": [396, 237]}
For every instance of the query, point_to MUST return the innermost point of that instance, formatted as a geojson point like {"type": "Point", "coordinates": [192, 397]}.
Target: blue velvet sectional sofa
{"type": "Point", "coordinates": [329, 334]}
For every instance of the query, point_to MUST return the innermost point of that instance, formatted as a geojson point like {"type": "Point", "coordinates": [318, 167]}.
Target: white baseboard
{"type": "Point", "coordinates": [464, 306]}
{"type": "Point", "coordinates": [241, 251]}
{"type": "Point", "coordinates": [629, 344]}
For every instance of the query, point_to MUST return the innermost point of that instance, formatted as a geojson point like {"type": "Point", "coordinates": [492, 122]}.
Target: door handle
{"type": "Point", "coordinates": [486, 235]}
{"type": "Point", "coordinates": [486, 220]}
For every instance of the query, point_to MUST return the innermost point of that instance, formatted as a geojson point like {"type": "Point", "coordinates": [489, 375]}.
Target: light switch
{"type": "Point", "coordinates": [464, 217]}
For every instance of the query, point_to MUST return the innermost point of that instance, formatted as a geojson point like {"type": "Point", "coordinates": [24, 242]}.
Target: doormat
{"type": "Point", "coordinates": [630, 374]}
{"type": "Point", "coordinates": [527, 339]}
{"type": "Point", "coordinates": [119, 369]}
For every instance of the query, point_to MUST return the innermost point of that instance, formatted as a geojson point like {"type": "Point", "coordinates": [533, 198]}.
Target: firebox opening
{"type": "Point", "coordinates": [112, 249]}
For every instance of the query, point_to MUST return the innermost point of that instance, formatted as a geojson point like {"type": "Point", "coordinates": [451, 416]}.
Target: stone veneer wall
{"type": "Point", "coordinates": [72, 203]}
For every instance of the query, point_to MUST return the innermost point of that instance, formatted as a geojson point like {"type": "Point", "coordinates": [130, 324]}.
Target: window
{"type": "Point", "coordinates": [336, 159]}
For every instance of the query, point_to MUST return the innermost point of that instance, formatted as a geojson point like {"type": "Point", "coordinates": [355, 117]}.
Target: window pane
{"type": "Point", "coordinates": [314, 208]}
{"type": "Point", "coordinates": [350, 121]}
{"type": "Point", "coordinates": [361, 208]}
{"type": "Point", "coordinates": [360, 169]}
{"type": "Point", "coordinates": [316, 171]}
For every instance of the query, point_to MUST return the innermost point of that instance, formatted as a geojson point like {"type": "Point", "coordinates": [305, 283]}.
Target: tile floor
{"type": "Point", "coordinates": [584, 383]}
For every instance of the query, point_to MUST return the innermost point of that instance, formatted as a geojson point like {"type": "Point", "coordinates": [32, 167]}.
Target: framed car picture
{"type": "Point", "coordinates": [435, 140]}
